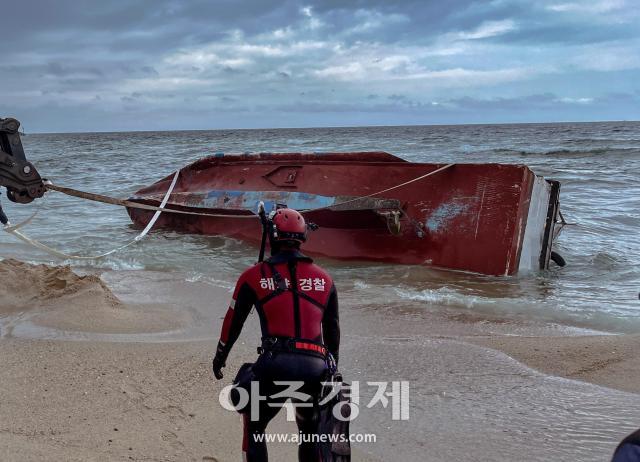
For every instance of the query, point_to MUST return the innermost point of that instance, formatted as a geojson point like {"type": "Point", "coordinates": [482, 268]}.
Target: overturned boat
{"type": "Point", "coordinates": [494, 219]}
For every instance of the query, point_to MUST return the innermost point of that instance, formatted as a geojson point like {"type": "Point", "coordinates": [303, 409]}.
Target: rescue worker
{"type": "Point", "coordinates": [297, 303]}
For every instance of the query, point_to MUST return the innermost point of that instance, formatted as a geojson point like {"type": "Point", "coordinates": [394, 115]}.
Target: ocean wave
{"type": "Point", "coordinates": [603, 260]}
{"type": "Point", "coordinates": [551, 311]}
{"type": "Point", "coordinates": [206, 279]}
{"type": "Point", "coordinates": [114, 264]}
{"type": "Point", "coordinates": [569, 152]}
{"type": "Point", "coordinates": [359, 284]}
{"type": "Point", "coordinates": [445, 297]}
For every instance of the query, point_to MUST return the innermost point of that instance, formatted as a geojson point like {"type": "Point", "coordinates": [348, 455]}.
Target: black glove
{"type": "Point", "coordinates": [218, 363]}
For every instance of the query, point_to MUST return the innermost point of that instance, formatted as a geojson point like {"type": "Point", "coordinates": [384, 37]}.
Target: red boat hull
{"type": "Point", "coordinates": [469, 217]}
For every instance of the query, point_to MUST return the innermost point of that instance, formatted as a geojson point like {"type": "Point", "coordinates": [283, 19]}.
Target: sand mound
{"type": "Point", "coordinates": [56, 297]}
{"type": "Point", "coordinates": [23, 286]}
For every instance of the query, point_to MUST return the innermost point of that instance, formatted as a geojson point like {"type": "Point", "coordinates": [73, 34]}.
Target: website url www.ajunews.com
{"type": "Point", "coordinates": [298, 438]}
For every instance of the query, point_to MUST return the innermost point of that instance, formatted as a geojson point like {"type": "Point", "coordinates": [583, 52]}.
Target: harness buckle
{"type": "Point", "coordinates": [267, 344]}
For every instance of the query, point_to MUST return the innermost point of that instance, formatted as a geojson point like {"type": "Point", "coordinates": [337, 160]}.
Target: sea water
{"type": "Point", "coordinates": [597, 164]}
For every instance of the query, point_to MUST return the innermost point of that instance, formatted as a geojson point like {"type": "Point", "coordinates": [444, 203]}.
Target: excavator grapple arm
{"type": "Point", "coordinates": [17, 174]}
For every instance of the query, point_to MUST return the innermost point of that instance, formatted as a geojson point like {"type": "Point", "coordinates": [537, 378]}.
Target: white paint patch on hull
{"type": "Point", "coordinates": [536, 221]}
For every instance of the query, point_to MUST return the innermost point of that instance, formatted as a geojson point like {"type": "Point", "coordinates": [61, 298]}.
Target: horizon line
{"type": "Point", "coordinates": [326, 126]}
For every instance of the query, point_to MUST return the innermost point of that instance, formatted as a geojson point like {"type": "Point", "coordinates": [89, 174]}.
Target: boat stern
{"type": "Point", "coordinates": [542, 215]}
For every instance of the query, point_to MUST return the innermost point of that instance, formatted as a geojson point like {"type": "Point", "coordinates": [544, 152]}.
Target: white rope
{"type": "Point", "coordinates": [383, 191]}
{"type": "Point", "coordinates": [13, 230]}
{"type": "Point", "coordinates": [9, 227]}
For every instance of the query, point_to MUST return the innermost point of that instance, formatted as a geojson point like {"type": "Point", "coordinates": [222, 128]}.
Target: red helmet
{"type": "Point", "coordinates": [289, 225]}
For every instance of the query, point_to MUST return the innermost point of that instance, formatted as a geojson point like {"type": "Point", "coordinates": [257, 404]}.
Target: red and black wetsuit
{"type": "Point", "coordinates": [297, 304]}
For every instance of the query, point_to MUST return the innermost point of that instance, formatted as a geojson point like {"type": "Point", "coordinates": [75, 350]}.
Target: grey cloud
{"type": "Point", "coordinates": [449, 59]}
{"type": "Point", "coordinates": [562, 32]}
{"type": "Point", "coordinates": [548, 102]}
{"type": "Point", "coordinates": [229, 70]}
{"type": "Point", "coordinates": [60, 70]}
{"type": "Point", "coordinates": [149, 70]}
{"type": "Point", "coordinates": [542, 101]}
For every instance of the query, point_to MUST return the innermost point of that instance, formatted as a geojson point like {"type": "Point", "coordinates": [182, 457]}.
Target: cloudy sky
{"type": "Point", "coordinates": [159, 64]}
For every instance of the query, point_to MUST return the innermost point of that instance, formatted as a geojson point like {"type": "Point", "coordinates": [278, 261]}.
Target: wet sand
{"type": "Point", "coordinates": [607, 360]}
{"type": "Point", "coordinates": [86, 376]}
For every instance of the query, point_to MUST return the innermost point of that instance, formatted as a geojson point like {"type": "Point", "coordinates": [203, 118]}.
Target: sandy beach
{"type": "Point", "coordinates": [86, 376]}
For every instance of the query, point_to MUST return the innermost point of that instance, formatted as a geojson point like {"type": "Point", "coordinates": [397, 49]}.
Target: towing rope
{"type": "Point", "coordinates": [134, 205]}
{"type": "Point", "coordinates": [13, 230]}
